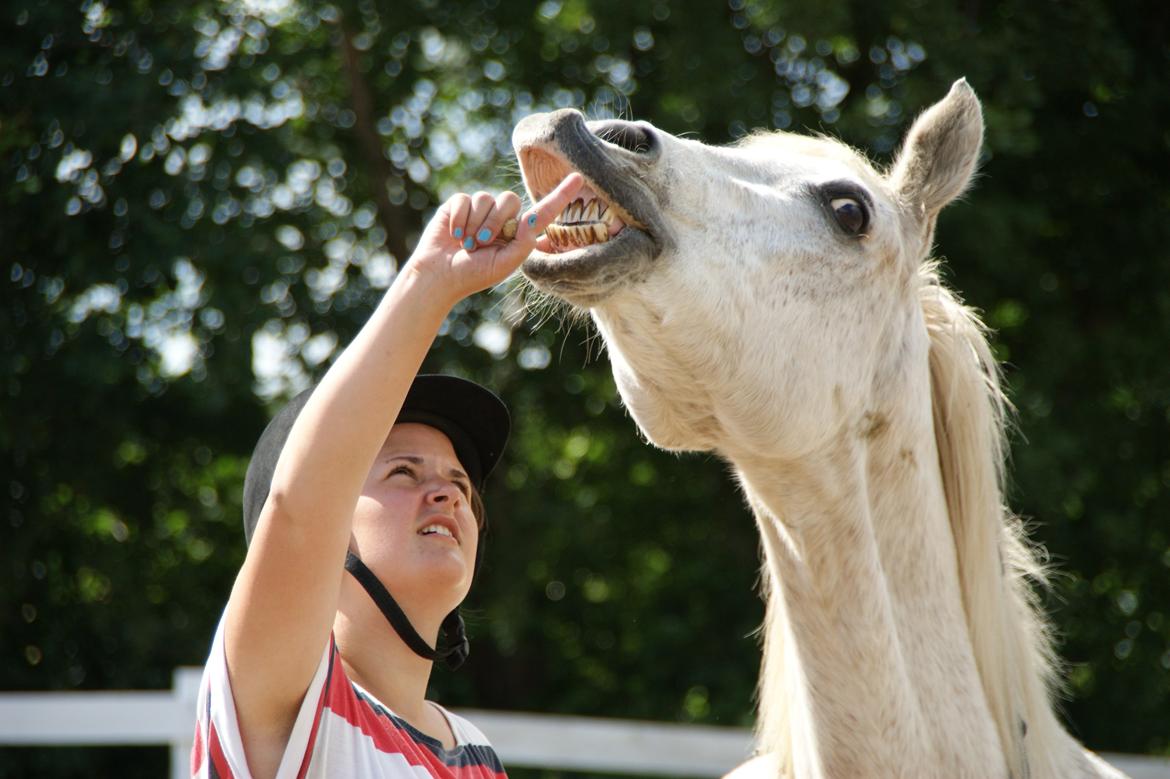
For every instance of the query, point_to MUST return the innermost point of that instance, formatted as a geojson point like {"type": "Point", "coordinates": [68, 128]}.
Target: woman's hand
{"type": "Point", "coordinates": [459, 255]}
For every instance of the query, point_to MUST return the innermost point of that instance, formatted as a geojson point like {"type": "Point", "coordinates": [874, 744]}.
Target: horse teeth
{"type": "Point", "coordinates": [579, 211]}
{"type": "Point", "coordinates": [565, 237]}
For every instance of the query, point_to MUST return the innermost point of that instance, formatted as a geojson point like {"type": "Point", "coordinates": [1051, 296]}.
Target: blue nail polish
{"type": "Point", "coordinates": [532, 220]}
{"type": "Point", "coordinates": [484, 235]}
{"type": "Point", "coordinates": [469, 243]}
{"type": "Point", "coordinates": [458, 232]}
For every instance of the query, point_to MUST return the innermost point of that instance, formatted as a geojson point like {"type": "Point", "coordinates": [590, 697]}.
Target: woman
{"type": "Point", "coordinates": [348, 500]}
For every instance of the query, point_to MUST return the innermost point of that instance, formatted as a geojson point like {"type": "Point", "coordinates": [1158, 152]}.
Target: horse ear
{"type": "Point", "coordinates": [938, 158]}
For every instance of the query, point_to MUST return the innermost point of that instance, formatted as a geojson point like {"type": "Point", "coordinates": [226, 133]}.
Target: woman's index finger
{"type": "Point", "coordinates": [533, 221]}
{"type": "Point", "coordinates": [540, 216]}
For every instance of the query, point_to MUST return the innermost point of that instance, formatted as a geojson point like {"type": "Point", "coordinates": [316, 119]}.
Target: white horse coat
{"type": "Point", "coordinates": [773, 302]}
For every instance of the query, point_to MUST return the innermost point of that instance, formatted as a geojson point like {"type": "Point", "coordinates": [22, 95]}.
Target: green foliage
{"type": "Point", "coordinates": [202, 200]}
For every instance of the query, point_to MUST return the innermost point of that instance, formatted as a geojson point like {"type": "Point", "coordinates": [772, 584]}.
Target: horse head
{"type": "Point", "coordinates": [757, 297]}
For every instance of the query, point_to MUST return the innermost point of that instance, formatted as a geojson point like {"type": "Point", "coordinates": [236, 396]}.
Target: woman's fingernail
{"type": "Point", "coordinates": [532, 220]}
{"type": "Point", "coordinates": [484, 235]}
{"type": "Point", "coordinates": [458, 232]}
{"type": "Point", "coordinates": [469, 243]}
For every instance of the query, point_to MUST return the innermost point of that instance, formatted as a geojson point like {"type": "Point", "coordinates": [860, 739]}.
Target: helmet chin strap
{"type": "Point", "coordinates": [453, 646]}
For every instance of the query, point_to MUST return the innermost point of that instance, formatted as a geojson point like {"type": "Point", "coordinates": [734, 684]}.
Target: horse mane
{"type": "Point", "coordinates": [998, 567]}
{"type": "Point", "coordinates": [997, 564]}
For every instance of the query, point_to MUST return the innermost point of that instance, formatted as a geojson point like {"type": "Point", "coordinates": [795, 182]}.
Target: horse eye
{"type": "Point", "coordinates": [850, 214]}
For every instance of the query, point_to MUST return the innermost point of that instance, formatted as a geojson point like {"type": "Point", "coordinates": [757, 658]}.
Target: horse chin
{"type": "Point", "coordinates": [588, 275]}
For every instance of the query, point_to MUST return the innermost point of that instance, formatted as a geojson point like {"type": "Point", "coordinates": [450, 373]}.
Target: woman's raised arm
{"type": "Point", "coordinates": [282, 607]}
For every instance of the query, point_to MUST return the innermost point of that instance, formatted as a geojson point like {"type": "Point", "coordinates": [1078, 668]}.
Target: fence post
{"type": "Point", "coordinates": [185, 685]}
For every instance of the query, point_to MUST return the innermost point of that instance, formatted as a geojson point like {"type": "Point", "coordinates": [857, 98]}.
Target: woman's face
{"type": "Point", "coordinates": [413, 525]}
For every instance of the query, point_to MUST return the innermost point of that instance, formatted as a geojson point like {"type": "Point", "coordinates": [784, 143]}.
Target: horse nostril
{"type": "Point", "coordinates": [629, 136]}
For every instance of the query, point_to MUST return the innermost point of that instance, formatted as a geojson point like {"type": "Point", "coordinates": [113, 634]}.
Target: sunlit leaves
{"type": "Point", "coordinates": [199, 212]}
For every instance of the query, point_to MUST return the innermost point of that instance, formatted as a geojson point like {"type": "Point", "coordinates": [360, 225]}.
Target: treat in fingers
{"type": "Point", "coordinates": [507, 232]}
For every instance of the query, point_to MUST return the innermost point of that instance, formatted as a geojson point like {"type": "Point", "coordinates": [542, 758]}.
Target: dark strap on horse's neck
{"type": "Point", "coordinates": [1027, 769]}
{"type": "Point", "coordinates": [457, 647]}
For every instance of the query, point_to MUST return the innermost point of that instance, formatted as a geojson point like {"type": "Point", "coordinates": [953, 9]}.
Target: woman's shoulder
{"type": "Point", "coordinates": [464, 730]}
{"type": "Point", "coordinates": [473, 751]}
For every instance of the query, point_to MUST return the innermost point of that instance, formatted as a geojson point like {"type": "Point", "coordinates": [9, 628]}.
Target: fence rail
{"type": "Point", "coordinates": [166, 718]}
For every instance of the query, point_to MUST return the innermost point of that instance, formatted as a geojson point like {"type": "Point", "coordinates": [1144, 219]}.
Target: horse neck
{"type": "Point", "coordinates": [866, 615]}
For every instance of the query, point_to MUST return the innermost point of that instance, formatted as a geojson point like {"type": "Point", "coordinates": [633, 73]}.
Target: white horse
{"type": "Point", "coordinates": [771, 302]}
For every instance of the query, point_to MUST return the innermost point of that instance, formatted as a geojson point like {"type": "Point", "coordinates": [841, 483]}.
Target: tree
{"type": "Point", "coordinates": [202, 201]}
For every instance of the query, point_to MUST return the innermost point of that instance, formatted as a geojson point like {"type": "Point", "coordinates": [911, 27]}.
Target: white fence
{"type": "Point", "coordinates": [166, 718]}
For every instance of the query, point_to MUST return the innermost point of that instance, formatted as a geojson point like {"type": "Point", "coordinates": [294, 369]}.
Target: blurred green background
{"type": "Point", "coordinates": [201, 202]}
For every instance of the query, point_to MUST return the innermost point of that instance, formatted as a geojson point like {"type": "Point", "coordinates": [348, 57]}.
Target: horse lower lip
{"type": "Point", "coordinates": [631, 249]}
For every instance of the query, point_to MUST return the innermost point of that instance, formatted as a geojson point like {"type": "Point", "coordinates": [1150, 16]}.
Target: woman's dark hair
{"type": "Point", "coordinates": [478, 509]}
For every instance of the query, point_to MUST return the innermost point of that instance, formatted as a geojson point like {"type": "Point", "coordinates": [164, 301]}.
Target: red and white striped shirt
{"type": "Point", "coordinates": [340, 731]}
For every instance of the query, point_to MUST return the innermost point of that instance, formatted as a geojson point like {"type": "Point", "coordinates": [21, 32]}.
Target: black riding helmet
{"type": "Point", "coordinates": [477, 424]}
